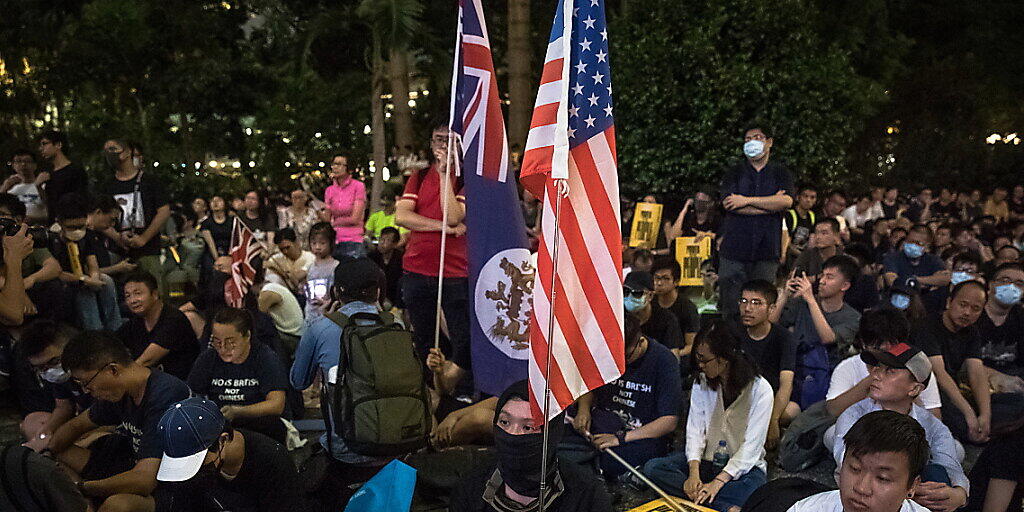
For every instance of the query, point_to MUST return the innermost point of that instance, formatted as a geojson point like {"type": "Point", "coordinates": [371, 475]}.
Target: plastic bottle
{"type": "Point", "coordinates": [721, 457]}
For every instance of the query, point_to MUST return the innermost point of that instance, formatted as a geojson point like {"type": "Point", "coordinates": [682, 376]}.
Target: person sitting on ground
{"type": "Point", "coordinates": [772, 348]}
{"type": "Point", "coordinates": [954, 346]}
{"type": "Point", "coordinates": [513, 483]}
{"type": "Point", "coordinates": [244, 379]}
{"type": "Point", "coordinates": [996, 475]}
{"type": "Point", "coordinates": [885, 454]}
{"type": "Point", "coordinates": [388, 256]}
{"type": "Point", "coordinates": [290, 266]}
{"type": "Point", "coordinates": [280, 304]}
{"type": "Point", "coordinates": [209, 465]}
{"type": "Point", "coordinates": [46, 295]}
{"type": "Point", "coordinates": [635, 414]}
{"type": "Point", "coordinates": [157, 333]}
{"type": "Point", "coordinates": [823, 325]}
{"type": "Point", "coordinates": [22, 184]}
{"type": "Point", "coordinates": [730, 409]}
{"type": "Point", "coordinates": [966, 265]}
{"type": "Point", "coordinates": [117, 470]}
{"type": "Point", "coordinates": [320, 277]}
{"type": "Point", "coordinates": [824, 244]}
{"type": "Point", "coordinates": [913, 260]}
{"type": "Point", "coordinates": [668, 295]}
{"type": "Point", "coordinates": [104, 213]}
{"type": "Point", "coordinates": [898, 377]}
{"type": "Point", "coordinates": [42, 343]}
{"type": "Point", "coordinates": [94, 292]}
{"type": "Point", "coordinates": [1001, 325]}
{"type": "Point", "coordinates": [658, 324]}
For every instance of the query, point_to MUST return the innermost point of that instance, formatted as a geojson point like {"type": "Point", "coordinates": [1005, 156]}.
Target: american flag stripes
{"type": "Point", "coordinates": [245, 249]}
{"type": "Point", "coordinates": [572, 136]}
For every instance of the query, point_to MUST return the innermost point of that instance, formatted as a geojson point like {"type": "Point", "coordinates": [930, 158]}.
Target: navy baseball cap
{"type": "Point", "coordinates": [189, 428]}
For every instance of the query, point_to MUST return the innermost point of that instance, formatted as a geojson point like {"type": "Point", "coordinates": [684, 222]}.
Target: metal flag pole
{"type": "Point", "coordinates": [669, 500]}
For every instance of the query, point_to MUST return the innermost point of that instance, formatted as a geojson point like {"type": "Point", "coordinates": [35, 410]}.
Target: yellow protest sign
{"type": "Point", "coordinates": [660, 506]}
{"type": "Point", "coordinates": [690, 254]}
{"type": "Point", "coordinates": [646, 225]}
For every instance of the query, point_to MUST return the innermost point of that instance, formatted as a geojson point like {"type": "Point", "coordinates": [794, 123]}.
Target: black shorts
{"type": "Point", "coordinates": [108, 456]}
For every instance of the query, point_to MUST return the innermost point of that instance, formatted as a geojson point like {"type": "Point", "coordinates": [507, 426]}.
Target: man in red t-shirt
{"type": "Point", "coordinates": [420, 211]}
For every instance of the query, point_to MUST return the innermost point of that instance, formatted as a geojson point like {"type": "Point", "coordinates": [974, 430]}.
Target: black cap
{"type": "Point", "coordinates": [353, 275]}
{"type": "Point", "coordinates": [640, 280]}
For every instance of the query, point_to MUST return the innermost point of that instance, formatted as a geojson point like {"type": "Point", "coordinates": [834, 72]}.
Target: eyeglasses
{"type": "Point", "coordinates": [226, 343]}
{"type": "Point", "coordinates": [85, 385]}
{"type": "Point", "coordinates": [629, 292]}
{"type": "Point", "coordinates": [701, 361]}
{"type": "Point", "coordinates": [752, 302]}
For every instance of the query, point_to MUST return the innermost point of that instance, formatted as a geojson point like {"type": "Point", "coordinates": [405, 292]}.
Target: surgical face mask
{"type": "Point", "coordinates": [634, 304]}
{"type": "Point", "coordinates": [912, 250]}
{"type": "Point", "coordinates": [1008, 294]}
{"type": "Point", "coordinates": [74, 234]}
{"type": "Point", "coordinates": [900, 301]}
{"type": "Point", "coordinates": [113, 159]}
{"type": "Point", "coordinates": [959, 277]}
{"type": "Point", "coordinates": [55, 375]}
{"type": "Point", "coordinates": [753, 148]}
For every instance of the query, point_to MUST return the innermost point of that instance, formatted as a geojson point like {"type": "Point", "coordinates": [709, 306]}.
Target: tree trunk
{"type": "Point", "coordinates": [520, 86]}
{"type": "Point", "coordinates": [398, 75]}
{"type": "Point", "coordinates": [379, 142]}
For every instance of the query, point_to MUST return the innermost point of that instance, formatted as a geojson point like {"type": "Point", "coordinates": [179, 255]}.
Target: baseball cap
{"type": "Point", "coordinates": [356, 274]}
{"type": "Point", "coordinates": [639, 280]}
{"type": "Point", "coordinates": [901, 356]}
{"type": "Point", "coordinates": [189, 428]}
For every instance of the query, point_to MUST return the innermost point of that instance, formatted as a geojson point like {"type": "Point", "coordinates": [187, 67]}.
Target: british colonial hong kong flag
{"type": "Point", "coordinates": [572, 137]}
{"type": "Point", "coordinates": [500, 272]}
{"type": "Point", "coordinates": [245, 253]}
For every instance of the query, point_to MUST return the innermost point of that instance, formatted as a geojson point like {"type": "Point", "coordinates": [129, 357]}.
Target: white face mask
{"type": "Point", "coordinates": [753, 148]}
{"type": "Point", "coordinates": [55, 375]}
{"type": "Point", "coordinates": [75, 234]}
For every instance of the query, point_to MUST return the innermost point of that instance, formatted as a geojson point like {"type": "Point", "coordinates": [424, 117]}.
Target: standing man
{"type": "Point", "coordinates": [23, 184]}
{"type": "Point", "coordinates": [65, 176]}
{"type": "Point", "coordinates": [346, 202]}
{"type": "Point", "coordinates": [755, 193]}
{"type": "Point", "coordinates": [143, 201]}
{"type": "Point", "coordinates": [419, 210]}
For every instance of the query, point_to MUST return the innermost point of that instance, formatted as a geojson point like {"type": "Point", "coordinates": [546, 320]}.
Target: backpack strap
{"type": "Point", "coordinates": [792, 215]}
{"type": "Point", "coordinates": [811, 213]}
{"type": "Point", "coordinates": [339, 318]}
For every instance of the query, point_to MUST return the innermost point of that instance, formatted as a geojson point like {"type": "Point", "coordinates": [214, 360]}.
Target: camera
{"type": "Point", "coordinates": [9, 227]}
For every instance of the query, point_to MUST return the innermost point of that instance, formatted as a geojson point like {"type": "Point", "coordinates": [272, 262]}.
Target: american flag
{"type": "Point", "coordinates": [572, 136]}
{"type": "Point", "coordinates": [245, 249]}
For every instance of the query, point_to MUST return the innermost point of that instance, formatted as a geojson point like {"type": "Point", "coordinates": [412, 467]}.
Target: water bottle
{"type": "Point", "coordinates": [720, 458]}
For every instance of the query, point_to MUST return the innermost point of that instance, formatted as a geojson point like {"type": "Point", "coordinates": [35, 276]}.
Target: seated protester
{"type": "Point", "coordinates": [730, 407]}
{"type": "Point", "coordinates": [952, 342]}
{"type": "Point", "coordinates": [907, 301]}
{"type": "Point", "coordinates": [669, 295]}
{"type": "Point", "coordinates": [1005, 254]}
{"type": "Point", "coordinates": [468, 425]}
{"type": "Point", "coordinates": [885, 454]}
{"type": "Point", "coordinates": [996, 475]}
{"type": "Point", "coordinates": [387, 254]}
{"type": "Point", "coordinates": [657, 324]}
{"type": "Point", "coordinates": [966, 265]}
{"type": "Point", "coordinates": [277, 301]}
{"type": "Point", "coordinates": [103, 215]}
{"type": "Point", "coordinates": [876, 239]}
{"type": "Point", "coordinates": [863, 293]}
{"type": "Point", "coordinates": [157, 334]}
{"type": "Point", "coordinates": [42, 343]}
{"type": "Point", "coordinates": [118, 471]}
{"type": "Point", "coordinates": [772, 348]}
{"type": "Point", "coordinates": [823, 325]}
{"type": "Point", "coordinates": [898, 376]}
{"type": "Point", "coordinates": [1002, 323]}
{"type": "Point", "coordinates": [859, 214]}
{"type": "Point", "coordinates": [913, 260]}
{"type": "Point", "coordinates": [14, 303]}
{"type": "Point", "coordinates": [824, 244]}
{"type": "Point", "coordinates": [880, 329]}
{"type": "Point", "coordinates": [356, 289]}
{"type": "Point", "coordinates": [46, 295]}
{"type": "Point", "coordinates": [209, 465]}
{"type": "Point", "coordinates": [94, 292]}
{"type": "Point", "coordinates": [965, 239]}
{"type": "Point", "coordinates": [635, 414]}
{"type": "Point", "coordinates": [290, 266]}
{"type": "Point", "coordinates": [319, 279]}
{"type": "Point", "coordinates": [246, 380]}
{"type": "Point", "coordinates": [513, 483]}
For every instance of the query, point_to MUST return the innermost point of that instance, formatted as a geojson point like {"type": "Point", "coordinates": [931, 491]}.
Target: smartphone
{"type": "Point", "coordinates": [316, 289]}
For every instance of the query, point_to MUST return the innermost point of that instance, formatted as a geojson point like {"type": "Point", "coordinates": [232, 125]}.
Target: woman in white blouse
{"type": "Point", "coordinates": [730, 406]}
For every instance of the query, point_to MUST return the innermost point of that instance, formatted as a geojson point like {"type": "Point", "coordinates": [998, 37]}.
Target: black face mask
{"type": "Point", "coordinates": [211, 470]}
{"type": "Point", "coordinates": [519, 456]}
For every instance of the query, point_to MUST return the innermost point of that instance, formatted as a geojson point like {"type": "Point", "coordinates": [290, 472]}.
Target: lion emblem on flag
{"type": "Point", "coordinates": [504, 301]}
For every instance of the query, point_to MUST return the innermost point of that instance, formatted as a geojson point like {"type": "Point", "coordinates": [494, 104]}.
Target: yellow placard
{"type": "Point", "coordinates": [659, 505]}
{"type": "Point", "coordinates": [690, 254]}
{"type": "Point", "coordinates": [646, 225]}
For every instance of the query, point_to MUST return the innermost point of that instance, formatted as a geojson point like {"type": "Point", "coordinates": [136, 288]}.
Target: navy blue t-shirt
{"type": "Point", "coordinates": [238, 384]}
{"type": "Point", "coordinates": [649, 389]}
{"type": "Point", "coordinates": [754, 237]}
{"type": "Point", "coordinates": [898, 263]}
{"type": "Point", "coordinates": [141, 423]}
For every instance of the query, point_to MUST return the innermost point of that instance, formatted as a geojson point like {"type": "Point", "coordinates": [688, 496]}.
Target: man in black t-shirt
{"type": "Point", "coordinates": [157, 334]}
{"type": "Point", "coordinates": [65, 177]}
{"type": "Point", "coordinates": [209, 466]}
{"type": "Point", "coordinates": [42, 344]}
{"type": "Point", "coordinates": [771, 347]}
{"type": "Point", "coordinates": [117, 470]}
{"type": "Point", "coordinates": [658, 324]}
{"type": "Point", "coordinates": [670, 297]}
{"type": "Point", "coordinates": [1001, 325]}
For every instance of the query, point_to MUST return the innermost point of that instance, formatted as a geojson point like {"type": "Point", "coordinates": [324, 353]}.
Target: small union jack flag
{"type": "Point", "coordinates": [245, 250]}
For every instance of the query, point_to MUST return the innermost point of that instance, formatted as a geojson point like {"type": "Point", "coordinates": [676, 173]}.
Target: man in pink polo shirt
{"type": "Point", "coordinates": [419, 211]}
{"type": "Point", "coordinates": [346, 202]}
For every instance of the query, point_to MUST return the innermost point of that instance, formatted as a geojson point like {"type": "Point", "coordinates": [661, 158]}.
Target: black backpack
{"type": "Point", "coordinates": [15, 487]}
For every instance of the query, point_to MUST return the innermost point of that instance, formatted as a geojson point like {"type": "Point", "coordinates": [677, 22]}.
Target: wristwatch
{"type": "Point", "coordinates": [621, 436]}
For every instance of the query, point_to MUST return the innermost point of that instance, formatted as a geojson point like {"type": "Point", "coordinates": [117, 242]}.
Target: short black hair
{"type": "Point", "coordinates": [13, 205]}
{"type": "Point", "coordinates": [71, 206]}
{"type": "Point", "coordinates": [56, 137]}
{"type": "Point", "coordinates": [889, 432]}
{"type": "Point", "coordinates": [763, 127]}
{"type": "Point", "coordinates": [970, 282]}
{"type": "Point", "coordinates": [240, 319]}
{"type": "Point", "coordinates": [1009, 247]}
{"type": "Point", "coordinates": [285, 234]}
{"type": "Point", "coordinates": [882, 325]}
{"type": "Point", "coordinates": [24, 152]}
{"type": "Point", "coordinates": [42, 333]}
{"type": "Point", "coordinates": [766, 289]}
{"type": "Point", "coordinates": [141, 276]}
{"type": "Point", "coordinates": [667, 263]}
{"type": "Point", "coordinates": [1009, 265]}
{"type": "Point", "coordinates": [643, 253]}
{"type": "Point", "coordinates": [104, 203]}
{"type": "Point", "coordinates": [91, 350]}
{"type": "Point", "coordinates": [325, 230]}
{"type": "Point", "coordinates": [860, 253]}
{"type": "Point", "coordinates": [832, 222]}
{"type": "Point", "coordinates": [390, 231]}
{"type": "Point", "coordinates": [967, 257]}
{"type": "Point", "coordinates": [805, 188]}
{"type": "Point", "coordinates": [846, 266]}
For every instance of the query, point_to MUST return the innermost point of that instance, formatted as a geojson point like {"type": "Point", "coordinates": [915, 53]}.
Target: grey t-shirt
{"type": "Point", "coordinates": [844, 323]}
